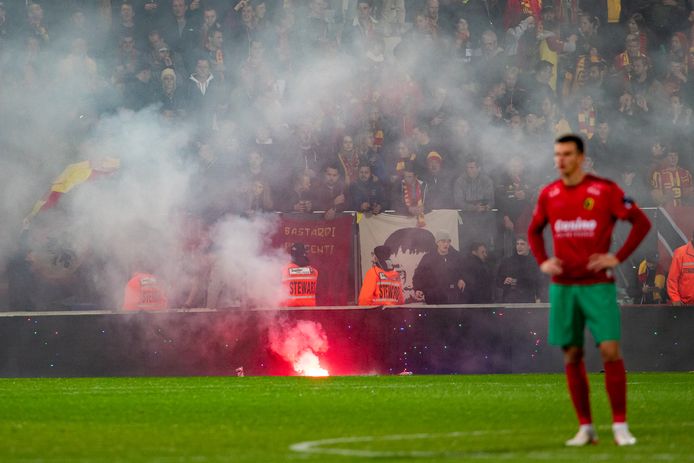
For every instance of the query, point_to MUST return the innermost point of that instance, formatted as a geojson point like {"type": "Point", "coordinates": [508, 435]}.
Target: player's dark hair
{"type": "Point", "coordinates": [572, 138]}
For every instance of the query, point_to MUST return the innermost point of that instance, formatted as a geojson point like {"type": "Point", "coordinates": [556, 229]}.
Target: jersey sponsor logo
{"type": "Point", "coordinates": [553, 192]}
{"type": "Point", "coordinates": [300, 271]}
{"type": "Point", "coordinates": [593, 190]}
{"type": "Point", "coordinates": [576, 227]}
{"type": "Point", "coordinates": [382, 276]}
{"type": "Point", "coordinates": [589, 203]}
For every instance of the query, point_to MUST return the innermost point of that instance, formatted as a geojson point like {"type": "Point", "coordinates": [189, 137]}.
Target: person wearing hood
{"type": "Point", "coordinates": [300, 279]}
{"type": "Point", "coordinates": [382, 284]}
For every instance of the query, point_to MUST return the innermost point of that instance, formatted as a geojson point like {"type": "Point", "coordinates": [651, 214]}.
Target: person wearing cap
{"type": "Point", "coordinates": [300, 279]}
{"type": "Point", "coordinates": [680, 279]}
{"type": "Point", "coordinates": [438, 279]}
{"type": "Point", "coordinates": [169, 94]}
{"type": "Point", "coordinates": [382, 284]}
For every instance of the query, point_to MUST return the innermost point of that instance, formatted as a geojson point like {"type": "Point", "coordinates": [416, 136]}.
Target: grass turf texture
{"type": "Point", "coordinates": [257, 419]}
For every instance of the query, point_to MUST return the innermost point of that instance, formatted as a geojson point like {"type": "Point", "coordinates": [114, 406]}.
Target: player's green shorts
{"type": "Point", "coordinates": [572, 307]}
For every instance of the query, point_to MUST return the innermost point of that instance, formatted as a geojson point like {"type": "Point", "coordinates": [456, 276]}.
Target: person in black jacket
{"type": "Point", "coordinates": [518, 276]}
{"type": "Point", "coordinates": [478, 278]}
{"type": "Point", "coordinates": [438, 277]}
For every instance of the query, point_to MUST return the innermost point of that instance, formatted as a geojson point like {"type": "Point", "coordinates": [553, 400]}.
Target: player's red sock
{"type": "Point", "coordinates": [577, 380]}
{"type": "Point", "coordinates": [616, 385]}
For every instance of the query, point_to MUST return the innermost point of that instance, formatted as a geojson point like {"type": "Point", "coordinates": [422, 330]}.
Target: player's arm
{"type": "Point", "coordinates": [548, 265]}
{"type": "Point", "coordinates": [624, 209]}
{"type": "Point", "coordinates": [640, 225]}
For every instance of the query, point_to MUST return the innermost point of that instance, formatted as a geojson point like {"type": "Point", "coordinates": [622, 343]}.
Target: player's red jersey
{"type": "Point", "coordinates": [582, 218]}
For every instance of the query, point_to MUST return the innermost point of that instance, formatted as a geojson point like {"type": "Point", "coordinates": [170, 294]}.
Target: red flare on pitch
{"type": "Point", "coordinates": [298, 343]}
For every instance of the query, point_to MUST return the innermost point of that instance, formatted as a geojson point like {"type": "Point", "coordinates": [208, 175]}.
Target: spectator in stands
{"type": "Point", "coordinates": [409, 195]}
{"type": "Point", "coordinates": [258, 197]}
{"type": "Point", "coordinates": [645, 87]}
{"type": "Point", "coordinates": [128, 27]}
{"type": "Point", "coordinates": [473, 191]}
{"type": "Point", "coordinates": [538, 88]}
{"type": "Point", "coordinates": [680, 279]}
{"type": "Point", "coordinates": [177, 29]}
{"type": "Point", "coordinates": [329, 195]}
{"type": "Point", "coordinates": [514, 194]}
{"type": "Point", "coordinates": [298, 199]}
{"type": "Point", "coordinates": [438, 279]}
{"type": "Point", "coordinates": [209, 23]}
{"type": "Point", "coordinates": [439, 183]}
{"type": "Point", "coordinates": [477, 275]}
{"type": "Point", "coordinates": [308, 155]}
{"type": "Point", "coordinates": [585, 116]}
{"type": "Point", "coordinates": [35, 24]}
{"type": "Point", "coordinates": [634, 184]}
{"type": "Point", "coordinates": [362, 30]}
{"type": "Point", "coordinates": [603, 148]}
{"type": "Point", "coordinates": [202, 94]}
{"type": "Point", "coordinates": [127, 59]}
{"type": "Point", "coordinates": [78, 70]}
{"type": "Point", "coordinates": [215, 53]}
{"type": "Point", "coordinates": [348, 159]}
{"type": "Point", "coordinates": [170, 95]}
{"type": "Point", "coordinates": [140, 89]}
{"type": "Point", "coordinates": [518, 276]}
{"type": "Point", "coordinates": [405, 155]}
{"type": "Point", "coordinates": [489, 67]}
{"type": "Point", "coordinates": [672, 184]}
{"type": "Point", "coordinates": [242, 31]}
{"type": "Point", "coordinates": [367, 194]}
{"type": "Point", "coordinates": [623, 62]}
{"type": "Point", "coordinates": [651, 281]}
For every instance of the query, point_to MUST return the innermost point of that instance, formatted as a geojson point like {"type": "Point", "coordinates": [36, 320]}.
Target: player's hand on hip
{"type": "Point", "coordinates": [598, 262]}
{"type": "Point", "coordinates": [551, 266]}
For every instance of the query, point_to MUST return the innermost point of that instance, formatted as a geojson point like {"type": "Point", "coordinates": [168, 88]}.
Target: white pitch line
{"type": "Point", "coordinates": [317, 447]}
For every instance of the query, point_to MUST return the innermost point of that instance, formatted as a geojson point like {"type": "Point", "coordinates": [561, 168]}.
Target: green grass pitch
{"type": "Point", "coordinates": [338, 419]}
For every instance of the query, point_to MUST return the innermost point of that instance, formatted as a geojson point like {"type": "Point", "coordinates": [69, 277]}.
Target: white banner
{"type": "Point", "coordinates": [407, 241]}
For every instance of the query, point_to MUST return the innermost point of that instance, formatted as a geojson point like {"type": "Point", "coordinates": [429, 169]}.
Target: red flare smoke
{"type": "Point", "coordinates": [298, 343]}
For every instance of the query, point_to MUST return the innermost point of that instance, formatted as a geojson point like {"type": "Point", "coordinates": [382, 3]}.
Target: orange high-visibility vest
{"type": "Point", "coordinates": [680, 279]}
{"type": "Point", "coordinates": [381, 288]}
{"type": "Point", "coordinates": [301, 284]}
{"type": "Point", "coordinates": [144, 292]}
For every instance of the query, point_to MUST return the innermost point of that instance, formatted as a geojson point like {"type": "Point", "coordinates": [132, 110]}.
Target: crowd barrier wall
{"type": "Point", "coordinates": [361, 341]}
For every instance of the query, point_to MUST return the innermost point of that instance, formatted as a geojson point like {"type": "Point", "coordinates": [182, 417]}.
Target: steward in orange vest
{"type": "Point", "coordinates": [382, 284]}
{"type": "Point", "coordinates": [300, 279]}
{"type": "Point", "coordinates": [144, 292]}
{"type": "Point", "coordinates": [680, 279]}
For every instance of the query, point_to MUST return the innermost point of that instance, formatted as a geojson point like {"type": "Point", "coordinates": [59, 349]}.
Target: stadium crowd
{"type": "Point", "coordinates": [325, 106]}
